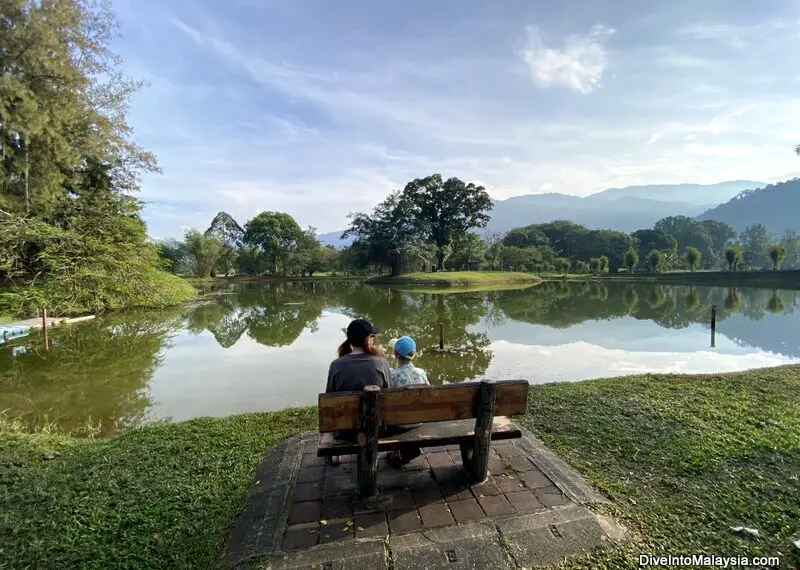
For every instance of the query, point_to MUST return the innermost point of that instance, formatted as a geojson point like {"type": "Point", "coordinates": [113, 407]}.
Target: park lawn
{"type": "Point", "coordinates": [683, 457]}
{"type": "Point", "coordinates": [457, 278]}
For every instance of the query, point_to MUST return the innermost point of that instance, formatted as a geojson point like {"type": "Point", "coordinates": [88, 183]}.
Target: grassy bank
{"type": "Point", "coordinates": [770, 279]}
{"type": "Point", "coordinates": [457, 279]}
{"type": "Point", "coordinates": [683, 457]}
{"type": "Point", "coordinates": [269, 279]}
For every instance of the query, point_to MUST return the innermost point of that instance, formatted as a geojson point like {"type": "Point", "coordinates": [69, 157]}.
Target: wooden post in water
{"type": "Point", "coordinates": [713, 325]}
{"type": "Point", "coordinates": [44, 329]}
{"type": "Point", "coordinates": [441, 336]}
{"type": "Point", "coordinates": [369, 425]}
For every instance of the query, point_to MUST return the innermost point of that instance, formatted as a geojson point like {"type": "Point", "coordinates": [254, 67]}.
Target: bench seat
{"type": "Point", "coordinates": [432, 434]}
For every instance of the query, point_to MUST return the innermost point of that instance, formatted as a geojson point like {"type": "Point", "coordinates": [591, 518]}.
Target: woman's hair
{"type": "Point", "coordinates": [347, 347]}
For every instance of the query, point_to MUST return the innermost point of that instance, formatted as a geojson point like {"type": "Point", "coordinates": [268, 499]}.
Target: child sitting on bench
{"type": "Point", "coordinates": [406, 374]}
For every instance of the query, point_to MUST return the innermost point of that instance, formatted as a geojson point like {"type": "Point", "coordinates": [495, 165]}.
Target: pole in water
{"type": "Point", "coordinates": [441, 336]}
{"type": "Point", "coordinates": [713, 325]}
{"type": "Point", "coordinates": [44, 329]}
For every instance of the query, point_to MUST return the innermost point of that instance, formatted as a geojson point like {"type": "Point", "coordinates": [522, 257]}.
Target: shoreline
{"type": "Point", "coordinates": [458, 279]}
{"type": "Point", "coordinates": [727, 441]}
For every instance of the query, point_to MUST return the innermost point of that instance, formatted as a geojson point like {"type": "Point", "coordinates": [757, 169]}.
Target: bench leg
{"type": "Point", "coordinates": [476, 455]}
{"type": "Point", "coordinates": [368, 441]}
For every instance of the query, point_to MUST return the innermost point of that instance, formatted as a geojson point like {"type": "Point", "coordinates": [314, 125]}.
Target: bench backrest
{"type": "Point", "coordinates": [420, 404]}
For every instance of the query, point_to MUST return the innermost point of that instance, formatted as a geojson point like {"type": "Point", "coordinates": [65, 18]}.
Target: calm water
{"type": "Point", "coordinates": [266, 347]}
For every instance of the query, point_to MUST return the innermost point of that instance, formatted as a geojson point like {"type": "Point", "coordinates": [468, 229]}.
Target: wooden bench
{"type": "Point", "coordinates": [444, 412]}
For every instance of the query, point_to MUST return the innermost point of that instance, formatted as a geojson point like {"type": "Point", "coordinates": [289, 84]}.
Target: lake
{"type": "Point", "coordinates": [265, 347]}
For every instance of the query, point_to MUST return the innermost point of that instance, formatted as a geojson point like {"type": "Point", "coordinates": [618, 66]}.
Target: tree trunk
{"type": "Point", "coordinates": [27, 189]}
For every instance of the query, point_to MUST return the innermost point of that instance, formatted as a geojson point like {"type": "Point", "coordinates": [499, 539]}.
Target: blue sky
{"type": "Point", "coordinates": [320, 108]}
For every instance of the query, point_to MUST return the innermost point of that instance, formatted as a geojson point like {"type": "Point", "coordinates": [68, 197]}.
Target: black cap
{"type": "Point", "coordinates": [360, 329]}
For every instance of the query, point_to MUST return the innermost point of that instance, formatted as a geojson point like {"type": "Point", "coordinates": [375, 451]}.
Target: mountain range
{"type": "Point", "coordinates": [625, 209]}
{"type": "Point", "coordinates": [776, 206]}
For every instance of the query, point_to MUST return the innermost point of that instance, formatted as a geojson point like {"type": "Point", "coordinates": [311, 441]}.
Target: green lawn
{"type": "Point", "coordinates": [683, 457]}
{"type": "Point", "coordinates": [457, 278]}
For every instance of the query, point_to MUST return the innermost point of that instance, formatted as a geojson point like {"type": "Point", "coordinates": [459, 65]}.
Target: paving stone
{"type": "Point", "coordinates": [510, 484]}
{"type": "Point", "coordinates": [336, 529]}
{"type": "Point", "coordinates": [307, 492]}
{"type": "Point", "coordinates": [435, 515]}
{"type": "Point", "coordinates": [404, 521]}
{"type": "Point", "coordinates": [394, 479]}
{"type": "Point", "coordinates": [340, 486]}
{"type": "Point", "coordinates": [551, 496]}
{"type": "Point", "coordinates": [456, 448]}
{"type": "Point", "coordinates": [420, 480]}
{"type": "Point", "coordinates": [336, 508]}
{"type": "Point", "coordinates": [418, 464]}
{"type": "Point", "coordinates": [448, 474]}
{"type": "Point", "coordinates": [400, 499]}
{"type": "Point", "coordinates": [496, 506]}
{"type": "Point", "coordinates": [465, 547]}
{"type": "Point", "coordinates": [455, 491]}
{"type": "Point", "coordinates": [437, 449]}
{"type": "Point", "coordinates": [441, 459]}
{"type": "Point", "coordinates": [466, 511]}
{"type": "Point", "coordinates": [427, 495]}
{"type": "Point", "coordinates": [348, 458]}
{"type": "Point", "coordinates": [536, 479]}
{"type": "Point", "coordinates": [497, 467]}
{"type": "Point", "coordinates": [457, 459]}
{"type": "Point", "coordinates": [311, 460]}
{"type": "Point", "coordinates": [375, 504]}
{"type": "Point", "coordinates": [487, 488]}
{"type": "Point", "coordinates": [343, 555]}
{"type": "Point", "coordinates": [373, 524]}
{"type": "Point", "coordinates": [524, 501]}
{"type": "Point", "coordinates": [508, 451]}
{"type": "Point", "coordinates": [298, 536]}
{"type": "Point", "coordinates": [309, 474]}
{"type": "Point", "coordinates": [305, 512]}
{"type": "Point", "coordinates": [520, 463]}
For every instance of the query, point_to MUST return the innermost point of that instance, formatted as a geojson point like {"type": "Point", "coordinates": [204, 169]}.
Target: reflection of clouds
{"type": "Point", "coordinates": [247, 377]}
{"type": "Point", "coordinates": [582, 361]}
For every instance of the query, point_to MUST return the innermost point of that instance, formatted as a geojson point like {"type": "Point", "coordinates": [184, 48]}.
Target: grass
{"type": "Point", "coordinates": [683, 457]}
{"type": "Point", "coordinates": [457, 278]}
{"type": "Point", "coordinates": [772, 279]}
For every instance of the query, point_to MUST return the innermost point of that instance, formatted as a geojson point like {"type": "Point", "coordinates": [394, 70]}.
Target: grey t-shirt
{"type": "Point", "coordinates": [351, 372]}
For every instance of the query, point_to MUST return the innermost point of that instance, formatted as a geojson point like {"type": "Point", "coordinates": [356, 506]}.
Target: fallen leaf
{"type": "Point", "coordinates": [360, 528]}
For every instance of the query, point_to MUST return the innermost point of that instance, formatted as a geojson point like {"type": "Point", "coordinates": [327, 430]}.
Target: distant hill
{"type": "Point", "coordinates": [776, 206]}
{"type": "Point", "coordinates": [624, 209]}
{"type": "Point", "coordinates": [698, 194]}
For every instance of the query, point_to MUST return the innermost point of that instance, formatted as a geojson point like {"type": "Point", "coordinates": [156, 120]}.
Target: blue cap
{"type": "Point", "coordinates": [404, 346]}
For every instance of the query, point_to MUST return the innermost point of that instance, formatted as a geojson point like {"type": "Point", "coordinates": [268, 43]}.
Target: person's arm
{"type": "Point", "coordinates": [330, 387]}
{"type": "Point", "coordinates": [424, 376]}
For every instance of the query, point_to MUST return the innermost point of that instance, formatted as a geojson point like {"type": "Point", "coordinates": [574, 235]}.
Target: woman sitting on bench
{"type": "Point", "coordinates": [360, 364]}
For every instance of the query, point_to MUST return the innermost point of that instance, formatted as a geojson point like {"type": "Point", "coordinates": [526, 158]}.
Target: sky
{"type": "Point", "coordinates": [321, 108]}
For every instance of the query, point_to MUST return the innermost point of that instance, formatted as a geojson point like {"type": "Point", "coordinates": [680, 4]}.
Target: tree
{"type": "Point", "coordinates": [226, 229]}
{"type": "Point", "coordinates": [494, 248]}
{"type": "Point", "coordinates": [791, 242]}
{"type": "Point", "coordinates": [466, 248]}
{"type": "Point", "coordinates": [631, 259]}
{"type": "Point", "coordinates": [596, 265]}
{"type": "Point", "coordinates": [581, 267]}
{"type": "Point", "coordinates": [755, 241]}
{"type": "Point", "coordinates": [70, 230]}
{"type": "Point", "coordinates": [173, 252]}
{"type": "Point", "coordinates": [603, 264]}
{"type": "Point", "coordinates": [446, 209]}
{"type": "Point", "coordinates": [655, 260]}
{"type": "Point", "coordinates": [388, 237]}
{"type": "Point", "coordinates": [275, 233]}
{"type": "Point", "coordinates": [693, 256]}
{"type": "Point", "coordinates": [562, 264]}
{"type": "Point", "coordinates": [733, 255]}
{"type": "Point", "coordinates": [204, 251]}
{"type": "Point", "coordinates": [776, 254]}
{"type": "Point", "coordinates": [526, 237]}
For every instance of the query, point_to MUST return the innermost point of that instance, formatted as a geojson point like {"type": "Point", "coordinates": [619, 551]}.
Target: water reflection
{"type": "Point", "coordinates": [259, 347]}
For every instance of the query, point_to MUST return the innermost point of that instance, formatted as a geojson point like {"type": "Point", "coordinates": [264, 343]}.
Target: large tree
{"type": "Point", "coordinates": [68, 222]}
{"type": "Point", "coordinates": [755, 241]}
{"type": "Point", "coordinates": [205, 251]}
{"type": "Point", "coordinates": [447, 209]}
{"type": "Point", "coordinates": [275, 233]}
{"type": "Point", "coordinates": [388, 237]}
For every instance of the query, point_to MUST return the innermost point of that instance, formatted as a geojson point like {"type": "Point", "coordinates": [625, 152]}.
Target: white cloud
{"type": "Point", "coordinates": [579, 64]}
{"type": "Point", "coordinates": [546, 187]}
{"type": "Point", "coordinates": [653, 138]}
